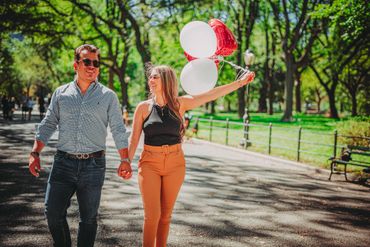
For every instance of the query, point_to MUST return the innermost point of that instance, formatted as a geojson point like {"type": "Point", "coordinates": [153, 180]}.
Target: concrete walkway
{"type": "Point", "coordinates": [229, 198]}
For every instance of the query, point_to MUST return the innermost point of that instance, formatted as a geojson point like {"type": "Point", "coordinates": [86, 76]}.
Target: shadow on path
{"type": "Point", "coordinates": [228, 199]}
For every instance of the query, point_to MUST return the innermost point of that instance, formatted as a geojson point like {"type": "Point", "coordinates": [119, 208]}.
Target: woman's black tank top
{"type": "Point", "coordinates": [161, 127]}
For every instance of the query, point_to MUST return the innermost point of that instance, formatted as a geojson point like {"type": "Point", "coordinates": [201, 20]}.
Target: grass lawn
{"type": "Point", "coordinates": [317, 135]}
{"type": "Point", "coordinates": [313, 122]}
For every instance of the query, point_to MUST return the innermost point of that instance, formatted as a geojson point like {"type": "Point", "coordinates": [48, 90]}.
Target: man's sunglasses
{"type": "Point", "coordinates": [88, 62]}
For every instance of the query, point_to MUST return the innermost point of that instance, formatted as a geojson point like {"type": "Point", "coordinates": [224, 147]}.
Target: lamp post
{"type": "Point", "coordinates": [249, 60]}
{"type": "Point", "coordinates": [127, 79]}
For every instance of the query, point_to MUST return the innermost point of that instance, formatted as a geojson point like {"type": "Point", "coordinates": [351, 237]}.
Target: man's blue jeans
{"type": "Point", "coordinates": [69, 176]}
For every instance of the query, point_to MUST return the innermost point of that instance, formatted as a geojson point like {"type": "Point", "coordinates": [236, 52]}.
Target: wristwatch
{"type": "Point", "coordinates": [35, 154]}
{"type": "Point", "coordinates": [126, 160]}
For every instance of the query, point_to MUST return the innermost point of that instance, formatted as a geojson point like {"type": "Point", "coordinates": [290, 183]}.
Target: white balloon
{"type": "Point", "coordinates": [199, 76]}
{"type": "Point", "coordinates": [198, 39]}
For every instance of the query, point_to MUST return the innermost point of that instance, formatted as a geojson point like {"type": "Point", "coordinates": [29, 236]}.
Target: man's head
{"type": "Point", "coordinates": [87, 62]}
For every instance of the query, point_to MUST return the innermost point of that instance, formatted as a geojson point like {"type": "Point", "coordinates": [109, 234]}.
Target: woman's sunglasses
{"type": "Point", "coordinates": [88, 62]}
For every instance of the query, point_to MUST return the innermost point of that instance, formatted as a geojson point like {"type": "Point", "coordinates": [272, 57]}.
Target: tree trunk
{"type": "Point", "coordinates": [367, 104]}
{"type": "Point", "coordinates": [241, 102]}
{"type": "Point", "coordinates": [271, 75]}
{"type": "Point", "coordinates": [298, 105]}
{"type": "Point", "coordinates": [262, 104]}
{"type": "Point", "coordinates": [318, 105]}
{"type": "Point", "coordinates": [241, 91]}
{"type": "Point", "coordinates": [145, 58]}
{"type": "Point", "coordinates": [206, 106]}
{"type": "Point", "coordinates": [228, 103]}
{"type": "Point", "coordinates": [28, 89]}
{"type": "Point", "coordinates": [333, 108]}
{"type": "Point", "coordinates": [110, 78]}
{"type": "Point", "coordinates": [354, 104]}
{"type": "Point", "coordinates": [213, 106]}
{"type": "Point", "coordinates": [288, 89]}
{"type": "Point", "coordinates": [271, 103]}
{"type": "Point", "coordinates": [125, 103]}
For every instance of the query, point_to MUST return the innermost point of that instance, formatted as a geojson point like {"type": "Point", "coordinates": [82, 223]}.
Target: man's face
{"type": "Point", "coordinates": [85, 66]}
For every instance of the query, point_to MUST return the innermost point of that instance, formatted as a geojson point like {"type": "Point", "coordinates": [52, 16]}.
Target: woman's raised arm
{"type": "Point", "coordinates": [189, 102]}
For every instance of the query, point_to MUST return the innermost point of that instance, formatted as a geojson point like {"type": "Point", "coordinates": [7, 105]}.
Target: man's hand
{"type": "Point", "coordinates": [34, 165]}
{"type": "Point", "coordinates": [124, 170]}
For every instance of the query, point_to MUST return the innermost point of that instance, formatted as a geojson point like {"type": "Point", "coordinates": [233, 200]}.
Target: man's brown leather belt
{"type": "Point", "coordinates": [85, 156]}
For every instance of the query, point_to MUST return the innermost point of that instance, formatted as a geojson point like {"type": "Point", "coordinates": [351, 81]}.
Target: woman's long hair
{"type": "Point", "coordinates": [169, 90]}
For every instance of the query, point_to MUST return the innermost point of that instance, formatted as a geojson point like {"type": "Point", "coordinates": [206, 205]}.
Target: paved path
{"type": "Point", "coordinates": [230, 198]}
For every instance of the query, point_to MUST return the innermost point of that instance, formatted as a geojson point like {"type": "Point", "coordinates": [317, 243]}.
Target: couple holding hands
{"type": "Point", "coordinates": [82, 110]}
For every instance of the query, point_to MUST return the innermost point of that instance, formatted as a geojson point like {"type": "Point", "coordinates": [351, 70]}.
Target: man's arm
{"type": "Point", "coordinates": [120, 138]}
{"type": "Point", "coordinates": [43, 133]}
{"type": "Point", "coordinates": [50, 122]}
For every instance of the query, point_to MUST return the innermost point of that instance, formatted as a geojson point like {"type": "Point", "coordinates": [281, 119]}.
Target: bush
{"type": "Point", "coordinates": [357, 128]}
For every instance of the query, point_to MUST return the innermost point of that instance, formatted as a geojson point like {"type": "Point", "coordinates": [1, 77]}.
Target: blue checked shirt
{"type": "Point", "coordinates": [83, 119]}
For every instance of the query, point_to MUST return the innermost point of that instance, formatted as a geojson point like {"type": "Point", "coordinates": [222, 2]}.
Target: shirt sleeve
{"type": "Point", "coordinates": [50, 122]}
{"type": "Point", "coordinates": [120, 136]}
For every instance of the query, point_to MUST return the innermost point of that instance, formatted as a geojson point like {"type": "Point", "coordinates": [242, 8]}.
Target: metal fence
{"type": "Point", "coordinates": [295, 141]}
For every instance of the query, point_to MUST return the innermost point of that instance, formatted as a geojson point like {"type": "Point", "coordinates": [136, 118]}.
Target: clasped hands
{"type": "Point", "coordinates": [124, 170]}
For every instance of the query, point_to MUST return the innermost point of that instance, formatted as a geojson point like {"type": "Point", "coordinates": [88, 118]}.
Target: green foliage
{"type": "Point", "coordinates": [51, 29]}
{"type": "Point", "coordinates": [29, 65]}
{"type": "Point", "coordinates": [357, 127]}
{"type": "Point", "coordinates": [352, 16]}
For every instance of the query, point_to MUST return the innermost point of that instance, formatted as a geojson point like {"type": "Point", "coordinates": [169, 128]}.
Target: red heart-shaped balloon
{"type": "Point", "coordinates": [190, 58]}
{"type": "Point", "coordinates": [226, 43]}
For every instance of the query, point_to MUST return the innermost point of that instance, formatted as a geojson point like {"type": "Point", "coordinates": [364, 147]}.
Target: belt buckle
{"type": "Point", "coordinates": [82, 156]}
{"type": "Point", "coordinates": [166, 148]}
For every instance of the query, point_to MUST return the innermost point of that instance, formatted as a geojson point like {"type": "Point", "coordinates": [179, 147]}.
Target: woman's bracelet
{"type": "Point", "coordinates": [126, 160]}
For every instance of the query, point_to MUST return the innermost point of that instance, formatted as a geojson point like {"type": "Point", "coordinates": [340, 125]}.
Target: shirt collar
{"type": "Point", "coordinates": [92, 85]}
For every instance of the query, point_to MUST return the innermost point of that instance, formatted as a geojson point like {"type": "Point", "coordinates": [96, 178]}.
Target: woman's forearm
{"type": "Point", "coordinates": [224, 90]}
{"type": "Point", "coordinates": [191, 102]}
{"type": "Point", "coordinates": [132, 149]}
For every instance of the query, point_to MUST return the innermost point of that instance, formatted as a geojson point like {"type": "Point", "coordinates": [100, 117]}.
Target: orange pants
{"type": "Point", "coordinates": [161, 174]}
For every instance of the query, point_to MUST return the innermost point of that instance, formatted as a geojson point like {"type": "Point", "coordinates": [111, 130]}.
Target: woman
{"type": "Point", "coordinates": [162, 165]}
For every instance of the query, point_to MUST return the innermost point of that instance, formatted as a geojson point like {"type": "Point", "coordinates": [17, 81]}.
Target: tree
{"type": "Point", "coordinates": [116, 37]}
{"type": "Point", "coordinates": [355, 77]}
{"type": "Point", "coordinates": [346, 32]}
{"type": "Point", "coordinates": [294, 26]}
{"type": "Point", "coordinates": [29, 26]}
{"type": "Point", "coordinates": [244, 13]}
{"type": "Point", "coordinates": [268, 82]}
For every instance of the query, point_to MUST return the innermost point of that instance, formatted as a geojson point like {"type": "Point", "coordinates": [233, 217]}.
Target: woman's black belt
{"type": "Point", "coordinates": [83, 156]}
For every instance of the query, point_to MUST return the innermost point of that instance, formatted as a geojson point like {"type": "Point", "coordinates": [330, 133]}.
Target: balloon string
{"type": "Point", "coordinates": [233, 64]}
{"type": "Point", "coordinates": [242, 72]}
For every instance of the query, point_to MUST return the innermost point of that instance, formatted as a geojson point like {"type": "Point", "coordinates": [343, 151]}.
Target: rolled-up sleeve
{"type": "Point", "coordinates": [116, 125]}
{"type": "Point", "coordinates": [50, 122]}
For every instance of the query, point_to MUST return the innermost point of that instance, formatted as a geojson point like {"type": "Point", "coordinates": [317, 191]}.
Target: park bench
{"type": "Point", "coordinates": [351, 156]}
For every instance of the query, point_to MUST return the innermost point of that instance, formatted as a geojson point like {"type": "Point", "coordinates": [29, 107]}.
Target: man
{"type": "Point", "coordinates": [81, 110]}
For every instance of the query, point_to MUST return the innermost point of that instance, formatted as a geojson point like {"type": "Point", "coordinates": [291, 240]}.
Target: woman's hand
{"type": "Point", "coordinates": [124, 170]}
{"type": "Point", "coordinates": [247, 78]}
